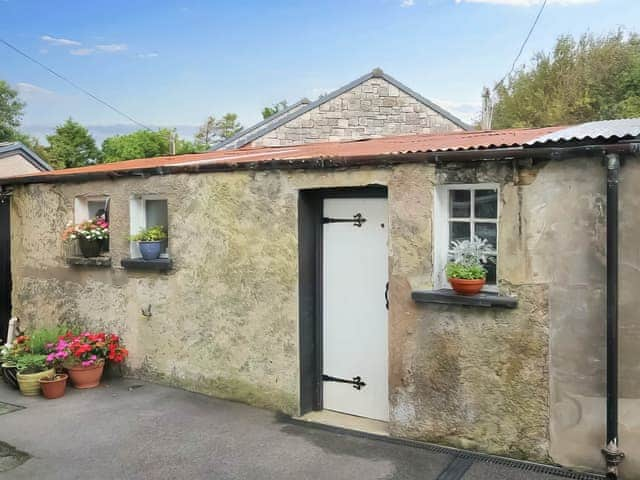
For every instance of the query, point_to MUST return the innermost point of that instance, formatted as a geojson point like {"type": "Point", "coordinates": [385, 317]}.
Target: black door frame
{"type": "Point", "coordinates": [310, 260]}
{"type": "Point", "coordinates": [5, 264]}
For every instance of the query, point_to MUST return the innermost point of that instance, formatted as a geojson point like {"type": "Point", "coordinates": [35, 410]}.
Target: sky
{"type": "Point", "coordinates": [172, 63]}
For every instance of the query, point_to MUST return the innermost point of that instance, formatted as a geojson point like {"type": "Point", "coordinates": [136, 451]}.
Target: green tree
{"type": "Point", "coordinates": [208, 133]}
{"type": "Point", "coordinates": [11, 110]}
{"type": "Point", "coordinates": [272, 110]}
{"type": "Point", "coordinates": [228, 125]}
{"type": "Point", "coordinates": [71, 146]}
{"type": "Point", "coordinates": [593, 78]}
{"type": "Point", "coordinates": [139, 144]}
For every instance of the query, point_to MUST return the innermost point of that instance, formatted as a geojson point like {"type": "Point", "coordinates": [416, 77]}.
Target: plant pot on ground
{"type": "Point", "coordinates": [54, 386]}
{"type": "Point", "coordinates": [466, 272]}
{"type": "Point", "coordinates": [9, 374]}
{"type": "Point", "coordinates": [150, 242]}
{"type": "Point", "coordinates": [85, 355]}
{"type": "Point", "coordinates": [31, 368]}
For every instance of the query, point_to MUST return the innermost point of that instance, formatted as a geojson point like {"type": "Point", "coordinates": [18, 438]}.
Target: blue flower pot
{"type": "Point", "coordinates": [150, 250]}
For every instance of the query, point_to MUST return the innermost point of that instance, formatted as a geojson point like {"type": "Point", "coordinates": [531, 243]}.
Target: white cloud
{"type": "Point", "coordinates": [112, 47]}
{"type": "Point", "coordinates": [81, 52]}
{"type": "Point", "coordinates": [467, 111]}
{"type": "Point", "coordinates": [60, 42]}
{"type": "Point", "coordinates": [407, 3]}
{"type": "Point", "coordinates": [148, 55]}
{"type": "Point", "coordinates": [529, 3]}
{"type": "Point", "coordinates": [29, 89]}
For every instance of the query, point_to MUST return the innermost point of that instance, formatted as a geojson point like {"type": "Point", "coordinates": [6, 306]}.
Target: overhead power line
{"type": "Point", "coordinates": [533, 26]}
{"type": "Point", "coordinates": [73, 84]}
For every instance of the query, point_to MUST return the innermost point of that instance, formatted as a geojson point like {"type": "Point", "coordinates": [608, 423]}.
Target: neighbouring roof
{"type": "Point", "coordinates": [11, 148]}
{"type": "Point", "coordinates": [600, 130]}
{"type": "Point", "coordinates": [248, 135]}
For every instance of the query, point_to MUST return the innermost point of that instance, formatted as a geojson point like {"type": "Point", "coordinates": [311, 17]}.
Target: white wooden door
{"type": "Point", "coordinates": [355, 273]}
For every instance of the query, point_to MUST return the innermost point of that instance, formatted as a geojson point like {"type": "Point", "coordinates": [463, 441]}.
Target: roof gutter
{"type": "Point", "coordinates": [390, 159]}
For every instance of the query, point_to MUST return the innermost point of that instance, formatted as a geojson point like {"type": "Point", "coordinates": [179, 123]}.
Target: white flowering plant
{"type": "Point", "coordinates": [467, 258]}
{"type": "Point", "coordinates": [92, 230]}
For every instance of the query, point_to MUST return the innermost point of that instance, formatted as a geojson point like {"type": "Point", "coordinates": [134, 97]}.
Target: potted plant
{"type": "Point", "coordinates": [466, 272]}
{"type": "Point", "coordinates": [54, 386]}
{"type": "Point", "coordinates": [91, 236]}
{"type": "Point", "coordinates": [86, 356]}
{"type": "Point", "coordinates": [10, 354]}
{"type": "Point", "coordinates": [150, 241]}
{"type": "Point", "coordinates": [31, 368]}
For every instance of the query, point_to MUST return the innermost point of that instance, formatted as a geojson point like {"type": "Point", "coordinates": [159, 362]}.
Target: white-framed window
{"type": "Point", "coordinates": [147, 211]}
{"type": "Point", "coordinates": [463, 211]}
{"type": "Point", "coordinates": [87, 207]}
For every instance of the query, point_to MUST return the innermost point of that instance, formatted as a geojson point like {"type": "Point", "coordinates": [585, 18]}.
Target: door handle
{"type": "Point", "coordinates": [386, 296]}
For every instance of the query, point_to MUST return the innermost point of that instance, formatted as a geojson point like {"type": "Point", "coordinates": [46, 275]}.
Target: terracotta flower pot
{"type": "Point", "coordinates": [29, 383]}
{"type": "Point", "coordinates": [467, 287]}
{"type": "Point", "coordinates": [54, 388]}
{"type": "Point", "coordinates": [86, 377]}
{"type": "Point", "coordinates": [9, 374]}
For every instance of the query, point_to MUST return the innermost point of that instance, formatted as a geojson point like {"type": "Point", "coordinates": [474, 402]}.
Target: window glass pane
{"type": "Point", "coordinates": [491, 272]}
{"type": "Point", "coordinates": [97, 208]}
{"type": "Point", "coordinates": [156, 214]}
{"type": "Point", "coordinates": [459, 231]}
{"type": "Point", "coordinates": [486, 204]}
{"type": "Point", "coordinates": [460, 203]}
{"type": "Point", "coordinates": [487, 231]}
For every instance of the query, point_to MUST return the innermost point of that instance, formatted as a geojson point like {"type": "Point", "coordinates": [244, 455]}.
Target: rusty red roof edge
{"type": "Point", "coordinates": [357, 151]}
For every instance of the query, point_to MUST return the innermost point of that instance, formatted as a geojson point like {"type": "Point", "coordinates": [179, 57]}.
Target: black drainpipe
{"type": "Point", "coordinates": [612, 453]}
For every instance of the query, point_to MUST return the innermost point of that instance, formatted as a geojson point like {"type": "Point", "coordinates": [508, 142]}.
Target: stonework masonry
{"type": "Point", "coordinates": [374, 108]}
{"type": "Point", "coordinates": [527, 382]}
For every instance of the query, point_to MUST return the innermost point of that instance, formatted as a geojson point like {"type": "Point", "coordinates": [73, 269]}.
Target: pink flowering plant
{"type": "Point", "coordinates": [95, 229]}
{"type": "Point", "coordinates": [86, 349]}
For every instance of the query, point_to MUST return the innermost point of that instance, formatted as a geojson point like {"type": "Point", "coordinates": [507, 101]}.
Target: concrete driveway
{"type": "Point", "coordinates": [128, 429]}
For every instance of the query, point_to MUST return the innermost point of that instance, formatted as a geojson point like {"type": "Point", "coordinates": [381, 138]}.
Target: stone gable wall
{"type": "Point", "coordinates": [375, 108]}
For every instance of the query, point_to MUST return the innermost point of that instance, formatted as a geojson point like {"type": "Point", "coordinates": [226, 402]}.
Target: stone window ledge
{"type": "Point", "coordinates": [446, 296]}
{"type": "Point", "coordinates": [158, 265]}
{"type": "Point", "coordinates": [89, 261]}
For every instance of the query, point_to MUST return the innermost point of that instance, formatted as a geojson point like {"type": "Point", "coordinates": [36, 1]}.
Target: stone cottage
{"type": "Point", "coordinates": [374, 105]}
{"type": "Point", "coordinates": [17, 159]}
{"type": "Point", "coordinates": [309, 278]}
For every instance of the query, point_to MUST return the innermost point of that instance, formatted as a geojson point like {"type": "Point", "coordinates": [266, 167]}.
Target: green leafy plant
{"type": "Point", "coordinates": [41, 339]}
{"type": "Point", "coordinates": [31, 363]}
{"type": "Point", "coordinates": [152, 234]}
{"type": "Point", "coordinates": [466, 272]}
{"type": "Point", "coordinates": [468, 257]}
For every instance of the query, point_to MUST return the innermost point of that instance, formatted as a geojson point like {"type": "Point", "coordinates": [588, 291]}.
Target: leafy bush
{"type": "Point", "coordinates": [31, 363]}
{"type": "Point", "coordinates": [466, 272]}
{"type": "Point", "coordinates": [152, 234]}
{"type": "Point", "coordinates": [41, 339]}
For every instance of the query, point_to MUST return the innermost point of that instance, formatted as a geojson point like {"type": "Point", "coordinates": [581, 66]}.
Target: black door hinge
{"type": "Point", "coordinates": [357, 220]}
{"type": "Point", "coordinates": [356, 382]}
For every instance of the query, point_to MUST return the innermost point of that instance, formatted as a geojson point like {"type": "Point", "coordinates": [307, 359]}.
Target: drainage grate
{"type": "Point", "coordinates": [462, 454]}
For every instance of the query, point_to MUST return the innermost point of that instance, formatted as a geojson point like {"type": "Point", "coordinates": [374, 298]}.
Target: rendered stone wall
{"type": "Point", "coordinates": [374, 108]}
{"type": "Point", "coordinates": [527, 383]}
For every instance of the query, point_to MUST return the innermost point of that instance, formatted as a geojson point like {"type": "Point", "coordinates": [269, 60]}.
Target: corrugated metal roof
{"type": "Point", "coordinates": [601, 130]}
{"type": "Point", "coordinates": [457, 141]}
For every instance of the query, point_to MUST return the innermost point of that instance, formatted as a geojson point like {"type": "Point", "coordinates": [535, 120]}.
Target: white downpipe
{"type": "Point", "coordinates": [11, 331]}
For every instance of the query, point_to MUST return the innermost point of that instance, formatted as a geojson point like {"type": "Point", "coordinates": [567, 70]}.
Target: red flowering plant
{"type": "Point", "coordinates": [87, 349]}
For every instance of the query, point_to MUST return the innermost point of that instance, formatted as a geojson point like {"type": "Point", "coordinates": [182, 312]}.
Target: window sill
{"type": "Point", "coordinates": [158, 265]}
{"type": "Point", "coordinates": [89, 261]}
{"type": "Point", "coordinates": [447, 296]}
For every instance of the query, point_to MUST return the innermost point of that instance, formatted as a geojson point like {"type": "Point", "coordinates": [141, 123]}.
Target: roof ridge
{"type": "Point", "coordinates": [375, 73]}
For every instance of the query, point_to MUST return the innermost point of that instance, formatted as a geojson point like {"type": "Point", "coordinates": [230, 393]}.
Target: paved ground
{"type": "Point", "coordinates": [132, 430]}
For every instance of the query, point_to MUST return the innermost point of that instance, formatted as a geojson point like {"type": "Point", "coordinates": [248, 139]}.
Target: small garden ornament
{"type": "Point", "coordinates": [465, 271]}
